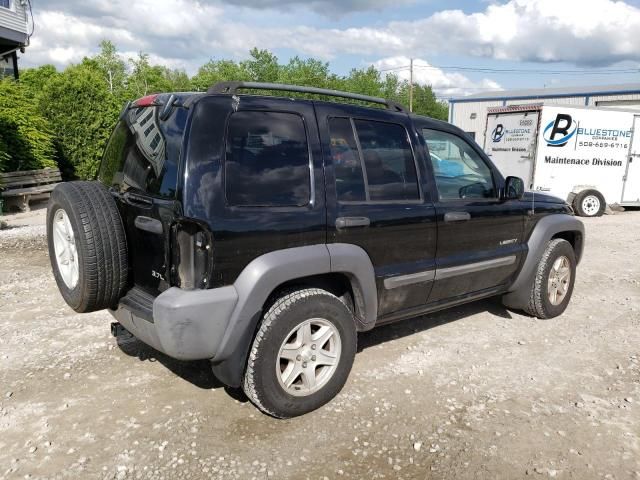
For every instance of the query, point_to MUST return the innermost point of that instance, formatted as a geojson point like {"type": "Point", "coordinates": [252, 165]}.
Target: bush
{"type": "Point", "coordinates": [26, 142]}
{"type": "Point", "coordinates": [82, 112]}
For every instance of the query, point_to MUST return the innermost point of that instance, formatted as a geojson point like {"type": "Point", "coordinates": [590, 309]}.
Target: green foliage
{"type": "Point", "coordinates": [25, 139]}
{"type": "Point", "coordinates": [112, 68]}
{"type": "Point", "coordinates": [5, 158]}
{"type": "Point", "coordinates": [33, 80]}
{"type": "Point", "coordinates": [82, 112]}
{"type": "Point", "coordinates": [67, 117]}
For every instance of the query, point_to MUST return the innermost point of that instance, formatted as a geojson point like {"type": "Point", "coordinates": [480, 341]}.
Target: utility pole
{"type": "Point", "coordinates": [411, 85]}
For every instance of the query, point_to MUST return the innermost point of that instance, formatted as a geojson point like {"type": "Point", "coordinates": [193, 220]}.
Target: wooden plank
{"type": "Point", "coordinates": [30, 180]}
{"type": "Point", "coordinates": [28, 172]}
{"type": "Point", "coordinates": [37, 175]}
{"type": "Point", "coordinates": [16, 192]}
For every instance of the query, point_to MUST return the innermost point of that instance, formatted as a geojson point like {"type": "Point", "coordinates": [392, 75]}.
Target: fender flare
{"type": "Point", "coordinates": [258, 280]}
{"type": "Point", "coordinates": [544, 230]}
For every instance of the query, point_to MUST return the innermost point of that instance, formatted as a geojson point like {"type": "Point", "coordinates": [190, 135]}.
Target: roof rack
{"type": "Point", "coordinates": [232, 88]}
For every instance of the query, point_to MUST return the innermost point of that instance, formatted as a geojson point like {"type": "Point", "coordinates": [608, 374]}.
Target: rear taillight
{"type": "Point", "coordinates": [192, 247]}
{"type": "Point", "coordinates": [145, 101]}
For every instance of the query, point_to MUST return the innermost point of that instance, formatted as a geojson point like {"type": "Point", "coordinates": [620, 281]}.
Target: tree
{"type": "Point", "coordinates": [68, 116]}
{"type": "Point", "coordinates": [34, 79]}
{"type": "Point", "coordinates": [82, 112]}
{"type": "Point", "coordinates": [215, 71]}
{"type": "Point", "coordinates": [112, 67]}
{"type": "Point", "coordinates": [309, 72]}
{"type": "Point", "coordinates": [262, 66]}
{"type": "Point", "coordinates": [26, 142]}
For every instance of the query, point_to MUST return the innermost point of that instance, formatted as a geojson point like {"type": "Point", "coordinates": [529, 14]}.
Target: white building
{"type": "Point", "coordinates": [470, 112]}
{"type": "Point", "coordinates": [13, 34]}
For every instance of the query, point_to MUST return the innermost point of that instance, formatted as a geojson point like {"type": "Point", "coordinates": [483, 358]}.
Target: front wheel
{"type": "Point", "coordinates": [302, 353]}
{"type": "Point", "coordinates": [553, 284]}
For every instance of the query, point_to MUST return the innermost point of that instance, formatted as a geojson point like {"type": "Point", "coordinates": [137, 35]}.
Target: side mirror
{"type": "Point", "coordinates": [513, 188]}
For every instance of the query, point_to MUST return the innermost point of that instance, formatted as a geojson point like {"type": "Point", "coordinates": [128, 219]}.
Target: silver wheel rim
{"type": "Point", "coordinates": [64, 245]}
{"type": "Point", "coordinates": [308, 357]}
{"type": "Point", "coordinates": [591, 205]}
{"type": "Point", "coordinates": [559, 278]}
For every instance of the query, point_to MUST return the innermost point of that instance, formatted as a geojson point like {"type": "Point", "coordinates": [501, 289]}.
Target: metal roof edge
{"type": "Point", "coordinates": [535, 97]}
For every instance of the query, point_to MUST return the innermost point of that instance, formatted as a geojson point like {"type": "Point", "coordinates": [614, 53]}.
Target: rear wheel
{"type": "Point", "coordinates": [87, 246]}
{"type": "Point", "coordinates": [589, 203]}
{"type": "Point", "coordinates": [302, 353]}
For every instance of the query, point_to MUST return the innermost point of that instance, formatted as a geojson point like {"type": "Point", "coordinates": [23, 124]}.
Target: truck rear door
{"type": "Point", "coordinates": [510, 143]}
{"type": "Point", "coordinates": [140, 167]}
{"type": "Point", "coordinates": [378, 199]}
{"type": "Point", "coordinates": [631, 188]}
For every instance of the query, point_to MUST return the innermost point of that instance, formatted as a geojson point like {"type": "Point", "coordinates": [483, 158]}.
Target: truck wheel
{"type": "Point", "coordinates": [302, 353]}
{"type": "Point", "coordinates": [589, 203]}
{"type": "Point", "coordinates": [87, 246]}
{"type": "Point", "coordinates": [553, 284]}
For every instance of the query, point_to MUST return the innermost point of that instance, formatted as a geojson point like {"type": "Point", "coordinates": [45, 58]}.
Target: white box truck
{"type": "Point", "coordinates": [587, 156]}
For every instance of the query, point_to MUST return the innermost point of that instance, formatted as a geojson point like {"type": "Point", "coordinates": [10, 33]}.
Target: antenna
{"type": "Point", "coordinates": [533, 202]}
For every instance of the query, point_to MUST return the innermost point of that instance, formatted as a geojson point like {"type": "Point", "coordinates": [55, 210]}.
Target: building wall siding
{"type": "Point", "coordinates": [462, 112]}
{"type": "Point", "coordinates": [550, 101]}
{"type": "Point", "coordinates": [624, 101]}
{"type": "Point", "coordinates": [14, 18]}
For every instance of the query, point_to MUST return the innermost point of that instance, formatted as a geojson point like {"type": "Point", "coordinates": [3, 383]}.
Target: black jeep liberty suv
{"type": "Point", "coordinates": [263, 233]}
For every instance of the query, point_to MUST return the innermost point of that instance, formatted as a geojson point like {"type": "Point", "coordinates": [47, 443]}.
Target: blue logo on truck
{"type": "Point", "coordinates": [497, 133]}
{"type": "Point", "coordinates": [560, 130]}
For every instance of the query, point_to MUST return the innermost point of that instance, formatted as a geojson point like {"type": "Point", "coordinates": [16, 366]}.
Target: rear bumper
{"type": "Point", "coordinates": [185, 324]}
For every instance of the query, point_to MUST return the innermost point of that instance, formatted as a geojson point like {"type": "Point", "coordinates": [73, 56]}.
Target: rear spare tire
{"type": "Point", "coordinates": [589, 203]}
{"type": "Point", "coordinates": [87, 245]}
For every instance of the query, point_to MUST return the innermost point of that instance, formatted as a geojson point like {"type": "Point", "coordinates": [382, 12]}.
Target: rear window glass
{"type": "Point", "coordinates": [138, 157]}
{"type": "Point", "coordinates": [267, 160]}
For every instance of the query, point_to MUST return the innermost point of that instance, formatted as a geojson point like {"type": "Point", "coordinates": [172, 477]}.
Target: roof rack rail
{"type": "Point", "coordinates": [232, 88]}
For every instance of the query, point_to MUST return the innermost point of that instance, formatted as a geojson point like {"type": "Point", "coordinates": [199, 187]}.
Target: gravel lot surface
{"type": "Point", "coordinates": [473, 392]}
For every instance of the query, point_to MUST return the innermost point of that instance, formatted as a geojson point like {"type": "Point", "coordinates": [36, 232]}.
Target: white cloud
{"type": "Point", "coordinates": [188, 32]}
{"type": "Point", "coordinates": [442, 83]}
{"type": "Point", "coordinates": [327, 7]}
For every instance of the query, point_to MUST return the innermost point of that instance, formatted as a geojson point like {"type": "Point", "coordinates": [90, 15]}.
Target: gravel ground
{"type": "Point", "coordinates": [473, 392]}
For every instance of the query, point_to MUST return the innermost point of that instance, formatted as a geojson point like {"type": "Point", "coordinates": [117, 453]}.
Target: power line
{"type": "Point", "coordinates": [516, 70]}
{"type": "Point", "coordinates": [542, 71]}
{"type": "Point", "coordinates": [406, 67]}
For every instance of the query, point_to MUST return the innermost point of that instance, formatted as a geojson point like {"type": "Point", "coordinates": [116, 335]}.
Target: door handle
{"type": "Point", "coordinates": [139, 200]}
{"type": "Point", "coordinates": [350, 222]}
{"type": "Point", "coordinates": [148, 224]}
{"type": "Point", "coordinates": [457, 217]}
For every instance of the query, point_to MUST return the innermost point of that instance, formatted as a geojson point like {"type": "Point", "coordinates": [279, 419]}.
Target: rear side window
{"type": "Point", "coordinates": [346, 161]}
{"type": "Point", "coordinates": [267, 160]}
{"type": "Point", "coordinates": [383, 149]}
{"type": "Point", "coordinates": [137, 155]}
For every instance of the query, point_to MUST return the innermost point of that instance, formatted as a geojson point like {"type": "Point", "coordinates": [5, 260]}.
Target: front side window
{"type": "Point", "coordinates": [267, 160]}
{"type": "Point", "coordinates": [383, 150]}
{"type": "Point", "coordinates": [460, 172]}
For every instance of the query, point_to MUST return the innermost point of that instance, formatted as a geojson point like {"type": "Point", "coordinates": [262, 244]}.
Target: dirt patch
{"type": "Point", "coordinates": [473, 392]}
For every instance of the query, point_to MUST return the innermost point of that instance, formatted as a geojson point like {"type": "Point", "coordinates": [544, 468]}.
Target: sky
{"type": "Point", "coordinates": [458, 46]}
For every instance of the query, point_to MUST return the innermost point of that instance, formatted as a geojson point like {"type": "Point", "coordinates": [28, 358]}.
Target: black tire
{"type": "Point", "coordinates": [261, 383]}
{"type": "Point", "coordinates": [539, 303]}
{"type": "Point", "coordinates": [100, 243]}
{"type": "Point", "coordinates": [587, 198]}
